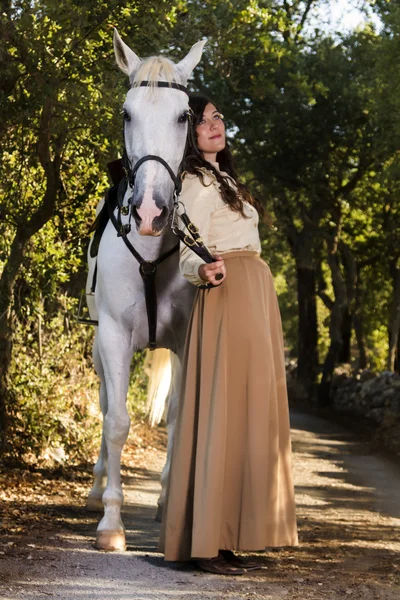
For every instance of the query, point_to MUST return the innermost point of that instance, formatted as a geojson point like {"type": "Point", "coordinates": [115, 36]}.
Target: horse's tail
{"type": "Point", "coordinates": [158, 366]}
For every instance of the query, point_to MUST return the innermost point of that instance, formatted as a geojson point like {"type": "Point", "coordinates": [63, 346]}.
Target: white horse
{"type": "Point", "coordinates": [156, 113]}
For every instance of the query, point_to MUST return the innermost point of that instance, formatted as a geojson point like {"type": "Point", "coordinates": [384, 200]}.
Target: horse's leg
{"type": "Point", "coordinates": [172, 411]}
{"type": "Point", "coordinates": [94, 501]}
{"type": "Point", "coordinates": [116, 355]}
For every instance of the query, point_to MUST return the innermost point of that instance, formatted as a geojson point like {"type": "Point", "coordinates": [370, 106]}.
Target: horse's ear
{"type": "Point", "coordinates": [126, 59]}
{"type": "Point", "coordinates": [187, 64]}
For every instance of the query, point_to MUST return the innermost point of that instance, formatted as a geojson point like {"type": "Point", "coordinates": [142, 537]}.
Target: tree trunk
{"type": "Point", "coordinates": [18, 248]}
{"type": "Point", "coordinates": [6, 331]}
{"type": "Point", "coordinates": [363, 360]}
{"type": "Point", "coordinates": [351, 275]}
{"type": "Point", "coordinates": [397, 359]}
{"type": "Point", "coordinates": [7, 283]}
{"type": "Point", "coordinates": [336, 325]}
{"type": "Point", "coordinates": [347, 328]}
{"type": "Point", "coordinates": [394, 321]}
{"type": "Point", "coordinates": [307, 350]}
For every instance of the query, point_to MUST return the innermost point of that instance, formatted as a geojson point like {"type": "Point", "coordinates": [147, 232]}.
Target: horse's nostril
{"type": "Point", "coordinates": [136, 215]}
{"type": "Point", "coordinates": [160, 222]}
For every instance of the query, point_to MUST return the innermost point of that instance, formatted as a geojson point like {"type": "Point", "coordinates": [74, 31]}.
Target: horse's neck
{"type": "Point", "coordinates": [151, 247]}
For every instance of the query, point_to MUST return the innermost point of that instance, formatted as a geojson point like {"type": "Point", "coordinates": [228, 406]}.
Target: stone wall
{"type": "Point", "coordinates": [366, 398]}
{"type": "Point", "coordinates": [374, 398]}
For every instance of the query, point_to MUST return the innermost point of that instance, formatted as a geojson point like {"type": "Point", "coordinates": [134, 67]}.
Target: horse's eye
{"type": "Point", "coordinates": [184, 117]}
{"type": "Point", "coordinates": [126, 115]}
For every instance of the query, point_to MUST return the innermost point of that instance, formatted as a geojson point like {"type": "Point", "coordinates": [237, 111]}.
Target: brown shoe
{"type": "Point", "coordinates": [219, 565]}
{"type": "Point", "coordinates": [239, 562]}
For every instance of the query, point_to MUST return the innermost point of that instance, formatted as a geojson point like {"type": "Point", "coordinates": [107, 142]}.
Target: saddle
{"type": "Point", "coordinates": [117, 174]}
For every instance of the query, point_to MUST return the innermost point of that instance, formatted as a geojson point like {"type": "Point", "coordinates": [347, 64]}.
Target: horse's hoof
{"type": "Point", "coordinates": [94, 504]}
{"type": "Point", "coordinates": [159, 514]}
{"type": "Point", "coordinates": [110, 541]}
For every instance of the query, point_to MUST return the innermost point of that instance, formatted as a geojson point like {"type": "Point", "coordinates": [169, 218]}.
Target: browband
{"type": "Point", "coordinates": [163, 84]}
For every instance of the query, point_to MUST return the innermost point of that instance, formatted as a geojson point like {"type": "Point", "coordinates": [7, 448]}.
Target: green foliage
{"type": "Point", "coordinates": [59, 126]}
{"type": "Point", "coordinates": [55, 415]}
{"type": "Point", "coordinates": [55, 410]}
{"type": "Point", "coordinates": [316, 127]}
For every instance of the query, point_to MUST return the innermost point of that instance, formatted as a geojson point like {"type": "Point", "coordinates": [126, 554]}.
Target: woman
{"type": "Point", "coordinates": [230, 485]}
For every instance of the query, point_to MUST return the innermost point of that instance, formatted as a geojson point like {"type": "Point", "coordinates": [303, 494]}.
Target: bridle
{"type": "Point", "coordinates": [192, 239]}
{"type": "Point", "coordinates": [132, 169]}
{"type": "Point", "coordinates": [147, 268]}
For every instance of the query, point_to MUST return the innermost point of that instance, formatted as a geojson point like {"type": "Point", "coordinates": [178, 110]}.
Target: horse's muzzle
{"type": "Point", "coordinates": [150, 226]}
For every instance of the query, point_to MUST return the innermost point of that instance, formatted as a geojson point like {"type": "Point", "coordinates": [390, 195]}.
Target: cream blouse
{"type": "Point", "coordinates": [221, 229]}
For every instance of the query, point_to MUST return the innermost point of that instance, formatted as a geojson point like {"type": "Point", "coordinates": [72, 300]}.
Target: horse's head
{"type": "Point", "coordinates": [155, 125]}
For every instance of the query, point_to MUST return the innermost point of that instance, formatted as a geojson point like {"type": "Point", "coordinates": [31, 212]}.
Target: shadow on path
{"type": "Point", "coordinates": [348, 515]}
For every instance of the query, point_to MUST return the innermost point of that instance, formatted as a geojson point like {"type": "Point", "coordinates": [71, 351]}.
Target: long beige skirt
{"type": "Point", "coordinates": [230, 484]}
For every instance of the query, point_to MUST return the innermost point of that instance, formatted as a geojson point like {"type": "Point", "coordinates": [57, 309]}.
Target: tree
{"type": "Point", "coordinates": [59, 126]}
{"type": "Point", "coordinates": [309, 128]}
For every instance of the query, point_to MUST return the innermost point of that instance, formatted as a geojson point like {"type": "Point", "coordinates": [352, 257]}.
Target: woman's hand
{"type": "Point", "coordinates": [211, 272]}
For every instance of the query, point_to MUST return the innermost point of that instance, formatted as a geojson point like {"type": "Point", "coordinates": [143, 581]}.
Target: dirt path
{"type": "Point", "coordinates": [348, 504]}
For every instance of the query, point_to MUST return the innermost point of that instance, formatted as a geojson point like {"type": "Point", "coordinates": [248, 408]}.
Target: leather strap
{"type": "Point", "coordinates": [148, 272]}
{"type": "Point", "coordinates": [192, 239]}
{"type": "Point", "coordinates": [164, 84]}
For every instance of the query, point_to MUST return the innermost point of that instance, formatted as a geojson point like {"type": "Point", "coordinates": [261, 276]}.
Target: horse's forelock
{"type": "Point", "coordinates": [154, 69]}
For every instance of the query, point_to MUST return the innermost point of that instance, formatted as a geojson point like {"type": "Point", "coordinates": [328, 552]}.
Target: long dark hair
{"type": "Point", "coordinates": [194, 162]}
